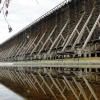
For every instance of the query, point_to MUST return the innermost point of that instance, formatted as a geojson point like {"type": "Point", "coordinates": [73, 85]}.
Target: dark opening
{"type": "Point", "coordinates": [87, 55]}
{"type": "Point", "coordinates": [82, 69]}
{"type": "Point", "coordinates": [98, 54]}
{"type": "Point", "coordinates": [98, 69]}
{"type": "Point", "coordinates": [93, 70]}
{"type": "Point", "coordinates": [93, 55]}
{"type": "Point", "coordinates": [88, 69]}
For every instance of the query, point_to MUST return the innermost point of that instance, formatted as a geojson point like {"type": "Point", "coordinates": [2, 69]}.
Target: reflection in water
{"type": "Point", "coordinates": [6, 94]}
{"type": "Point", "coordinates": [52, 83]}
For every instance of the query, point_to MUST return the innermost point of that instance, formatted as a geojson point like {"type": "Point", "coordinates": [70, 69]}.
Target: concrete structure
{"type": "Point", "coordinates": [69, 30]}
{"type": "Point", "coordinates": [72, 26]}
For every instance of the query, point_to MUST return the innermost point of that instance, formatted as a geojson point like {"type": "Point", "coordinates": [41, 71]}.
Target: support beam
{"type": "Point", "coordinates": [58, 42]}
{"type": "Point", "coordinates": [65, 40]}
{"type": "Point", "coordinates": [13, 75]}
{"type": "Point", "coordinates": [86, 23]}
{"type": "Point", "coordinates": [71, 88]}
{"type": "Point", "coordinates": [38, 83]}
{"type": "Point", "coordinates": [31, 45]}
{"type": "Point", "coordinates": [59, 83]}
{"type": "Point", "coordinates": [10, 54]}
{"type": "Point", "coordinates": [20, 48]}
{"type": "Point", "coordinates": [39, 42]}
{"type": "Point", "coordinates": [80, 88]}
{"type": "Point", "coordinates": [99, 24]}
{"type": "Point", "coordinates": [28, 80]}
{"type": "Point", "coordinates": [14, 50]}
{"type": "Point", "coordinates": [9, 74]}
{"type": "Point", "coordinates": [62, 37]}
{"type": "Point", "coordinates": [32, 82]}
{"type": "Point", "coordinates": [90, 88]}
{"type": "Point", "coordinates": [47, 86]}
{"type": "Point", "coordinates": [82, 30]}
{"type": "Point", "coordinates": [74, 31]}
{"type": "Point", "coordinates": [66, 86]}
{"type": "Point", "coordinates": [20, 77]}
{"type": "Point", "coordinates": [11, 50]}
{"type": "Point", "coordinates": [87, 29]}
{"type": "Point", "coordinates": [5, 75]}
{"type": "Point", "coordinates": [24, 48]}
{"type": "Point", "coordinates": [57, 87]}
{"type": "Point", "coordinates": [27, 46]}
{"type": "Point", "coordinates": [4, 55]}
{"type": "Point", "coordinates": [58, 36]}
{"type": "Point", "coordinates": [47, 39]}
{"type": "Point", "coordinates": [91, 32]}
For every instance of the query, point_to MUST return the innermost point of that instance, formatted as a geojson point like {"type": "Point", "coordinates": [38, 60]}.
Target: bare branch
{"type": "Point", "coordinates": [5, 12]}
{"type": "Point", "coordinates": [37, 1]}
{"type": "Point", "coordinates": [7, 5]}
{"type": "Point", "coordinates": [10, 29]}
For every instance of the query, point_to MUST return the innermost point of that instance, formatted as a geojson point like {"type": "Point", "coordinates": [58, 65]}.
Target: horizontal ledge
{"type": "Point", "coordinates": [69, 64]}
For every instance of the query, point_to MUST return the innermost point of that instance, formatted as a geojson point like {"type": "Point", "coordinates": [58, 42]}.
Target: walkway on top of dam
{"type": "Point", "coordinates": [81, 63]}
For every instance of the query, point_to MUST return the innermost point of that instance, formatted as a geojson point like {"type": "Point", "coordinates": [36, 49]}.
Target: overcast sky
{"type": "Point", "coordinates": [22, 13]}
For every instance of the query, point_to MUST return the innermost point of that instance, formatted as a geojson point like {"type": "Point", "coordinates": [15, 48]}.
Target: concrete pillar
{"type": "Point", "coordinates": [89, 50]}
{"type": "Point", "coordinates": [44, 55]}
{"type": "Point", "coordinates": [95, 54]}
{"type": "Point", "coordinates": [95, 46]}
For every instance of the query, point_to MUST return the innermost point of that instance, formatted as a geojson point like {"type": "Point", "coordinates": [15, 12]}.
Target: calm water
{"type": "Point", "coordinates": [6, 94]}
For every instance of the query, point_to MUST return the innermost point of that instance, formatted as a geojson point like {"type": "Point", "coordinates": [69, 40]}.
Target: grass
{"type": "Point", "coordinates": [67, 59]}
{"type": "Point", "coordinates": [80, 59]}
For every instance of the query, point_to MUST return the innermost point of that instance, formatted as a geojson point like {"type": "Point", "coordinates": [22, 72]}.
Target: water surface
{"type": "Point", "coordinates": [6, 94]}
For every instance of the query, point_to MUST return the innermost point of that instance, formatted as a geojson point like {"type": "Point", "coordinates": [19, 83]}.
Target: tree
{"type": "Point", "coordinates": [4, 9]}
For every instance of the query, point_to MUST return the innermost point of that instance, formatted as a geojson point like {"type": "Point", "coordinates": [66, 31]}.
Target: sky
{"type": "Point", "coordinates": [6, 94]}
{"type": "Point", "coordinates": [22, 13]}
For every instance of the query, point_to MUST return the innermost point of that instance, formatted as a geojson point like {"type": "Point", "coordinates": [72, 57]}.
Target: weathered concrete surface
{"type": "Point", "coordinates": [81, 64]}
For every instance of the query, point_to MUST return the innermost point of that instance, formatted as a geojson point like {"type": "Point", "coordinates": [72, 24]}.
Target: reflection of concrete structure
{"type": "Point", "coordinates": [52, 83]}
{"type": "Point", "coordinates": [72, 26]}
